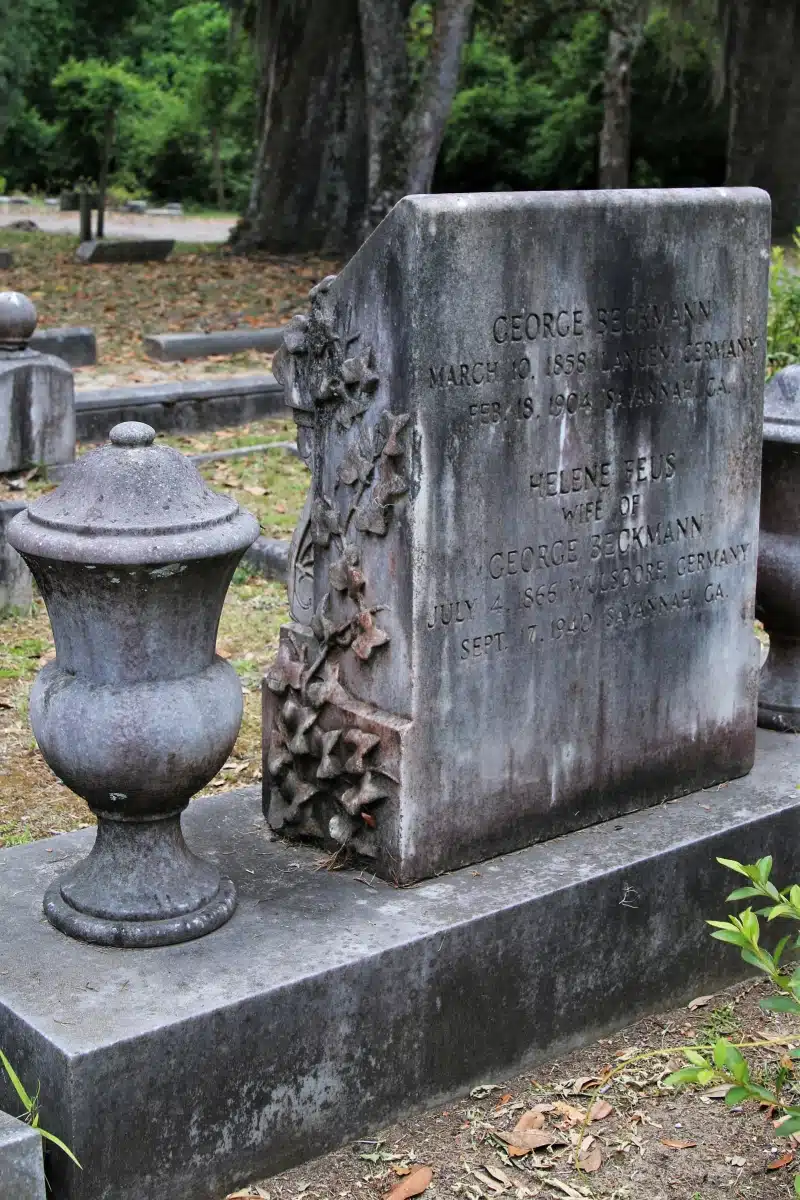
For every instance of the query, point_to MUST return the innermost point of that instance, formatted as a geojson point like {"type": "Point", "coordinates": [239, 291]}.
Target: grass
{"type": "Point", "coordinates": [272, 485]}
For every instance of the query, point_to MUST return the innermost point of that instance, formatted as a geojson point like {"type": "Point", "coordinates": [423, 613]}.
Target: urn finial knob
{"type": "Point", "coordinates": [17, 320]}
{"type": "Point", "coordinates": [132, 433]}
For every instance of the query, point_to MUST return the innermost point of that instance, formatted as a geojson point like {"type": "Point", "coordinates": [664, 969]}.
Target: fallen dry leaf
{"type": "Point", "coordinates": [736, 1160]}
{"type": "Point", "coordinates": [398, 1170]}
{"type": "Point", "coordinates": [676, 1145]}
{"type": "Point", "coordinates": [532, 1139]}
{"type": "Point", "coordinates": [413, 1185]}
{"type": "Point", "coordinates": [783, 1161]}
{"type": "Point", "coordinates": [584, 1083]}
{"type": "Point", "coordinates": [497, 1174]}
{"type": "Point", "coordinates": [529, 1120]}
{"type": "Point", "coordinates": [492, 1184]}
{"type": "Point", "coordinates": [699, 1002]}
{"type": "Point", "coordinates": [565, 1188]}
{"type": "Point", "coordinates": [574, 1116]}
{"type": "Point", "coordinates": [718, 1093]}
{"type": "Point", "coordinates": [591, 1161]}
{"type": "Point", "coordinates": [600, 1110]}
{"type": "Point", "coordinates": [255, 490]}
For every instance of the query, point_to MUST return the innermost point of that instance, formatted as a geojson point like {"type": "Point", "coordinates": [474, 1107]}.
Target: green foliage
{"type": "Point", "coordinates": [529, 111]}
{"type": "Point", "coordinates": [783, 322]}
{"type": "Point", "coordinates": [726, 1063]}
{"type": "Point", "coordinates": [177, 76]}
{"type": "Point", "coordinates": [30, 1105]}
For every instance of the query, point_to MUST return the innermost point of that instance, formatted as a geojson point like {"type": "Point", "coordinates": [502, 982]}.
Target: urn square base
{"type": "Point", "coordinates": [325, 1007]}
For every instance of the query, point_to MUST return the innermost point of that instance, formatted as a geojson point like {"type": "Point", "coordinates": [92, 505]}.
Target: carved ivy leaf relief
{"type": "Point", "coordinates": [357, 464]}
{"type": "Point", "coordinates": [324, 522]}
{"type": "Point", "coordinates": [370, 636]}
{"type": "Point", "coordinates": [328, 770]}
{"type": "Point", "coordinates": [345, 575]}
{"type": "Point", "coordinates": [367, 792]}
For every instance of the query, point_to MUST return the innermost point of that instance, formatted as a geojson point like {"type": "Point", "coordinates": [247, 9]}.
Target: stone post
{"type": "Point", "coordinates": [778, 588]}
{"type": "Point", "coordinates": [37, 425]}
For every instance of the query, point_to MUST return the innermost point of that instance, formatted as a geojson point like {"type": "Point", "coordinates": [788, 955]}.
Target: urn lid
{"type": "Point", "coordinates": [782, 407]}
{"type": "Point", "coordinates": [131, 502]}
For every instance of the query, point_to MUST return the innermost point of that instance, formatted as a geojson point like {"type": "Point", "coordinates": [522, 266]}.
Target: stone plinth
{"type": "Point", "coordinates": [21, 1161]}
{"type": "Point", "coordinates": [331, 1005]}
{"type": "Point", "coordinates": [530, 541]}
{"type": "Point", "coordinates": [16, 582]}
{"type": "Point", "coordinates": [37, 408]}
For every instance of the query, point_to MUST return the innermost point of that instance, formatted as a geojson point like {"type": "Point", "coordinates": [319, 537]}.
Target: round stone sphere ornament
{"type": "Point", "coordinates": [133, 555]}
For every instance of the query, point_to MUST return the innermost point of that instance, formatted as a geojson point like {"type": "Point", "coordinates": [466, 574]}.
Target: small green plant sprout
{"type": "Point", "coordinates": [31, 1107]}
{"type": "Point", "coordinates": [724, 1063]}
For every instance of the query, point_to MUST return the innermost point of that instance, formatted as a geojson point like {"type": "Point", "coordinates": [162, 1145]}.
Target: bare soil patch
{"type": "Point", "coordinates": [653, 1144]}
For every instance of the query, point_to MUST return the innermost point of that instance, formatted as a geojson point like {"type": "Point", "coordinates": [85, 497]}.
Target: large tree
{"type": "Point", "coordinates": [354, 99]}
{"type": "Point", "coordinates": [762, 52]}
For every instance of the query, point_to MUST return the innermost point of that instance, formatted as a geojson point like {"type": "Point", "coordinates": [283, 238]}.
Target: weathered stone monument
{"type": "Point", "coordinates": [523, 583]}
{"type": "Point", "coordinates": [37, 403]}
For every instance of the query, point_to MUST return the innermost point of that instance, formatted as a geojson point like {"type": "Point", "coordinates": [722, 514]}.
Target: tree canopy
{"type": "Point", "coordinates": [313, 116]}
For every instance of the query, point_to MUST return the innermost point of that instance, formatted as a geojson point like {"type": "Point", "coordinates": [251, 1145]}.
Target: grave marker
{"type": "Point", "coordinates": [523, 582]}
{"type": "Point", "coordinates": [129, 251]}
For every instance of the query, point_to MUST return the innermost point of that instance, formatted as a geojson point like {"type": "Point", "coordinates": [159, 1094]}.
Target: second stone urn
{"type": "Point", "coordinates": [778, 588]}
{"type": "Point", "coordinates": [133, 555]}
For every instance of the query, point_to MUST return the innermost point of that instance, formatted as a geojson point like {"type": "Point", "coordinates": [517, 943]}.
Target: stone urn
{"type": "Point", "coordinates": [778, 586]}
{"type": "Point", "coordinates": [133, 555]}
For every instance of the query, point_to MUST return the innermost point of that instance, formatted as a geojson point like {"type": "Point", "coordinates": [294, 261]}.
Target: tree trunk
{"type": "Point", "coordinates": [216, 167]}
{"type": "Point", "coordinates": [436, 91]}
{"type": "Point", "coordinates": [102, 183]}
{"type": "Point", "coordinates": [387, 79]}
{"type": "Point", "coordinates": [311, 190]}
{"type": "Point", "coordinates": [763, 85]}
{"type": "Point", "coordinates": [345, 130]}
{"type": "Point", "coordinates": [615, 137]}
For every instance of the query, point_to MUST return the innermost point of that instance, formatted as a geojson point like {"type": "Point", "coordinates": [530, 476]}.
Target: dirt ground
{"type": "Point", "coordinates": [653, 1144]}
{"type": "Point", "coordinates": [199, 288]}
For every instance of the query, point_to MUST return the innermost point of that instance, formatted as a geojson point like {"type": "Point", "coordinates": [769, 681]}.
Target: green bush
{"type": "Point", "coordinates": [725, 1062]}
{"type": "Point", "coordinates": [783, 322]}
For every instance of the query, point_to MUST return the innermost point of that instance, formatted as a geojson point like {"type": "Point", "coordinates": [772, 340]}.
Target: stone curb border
{"type": "Point", "coordinates": [186, 406]}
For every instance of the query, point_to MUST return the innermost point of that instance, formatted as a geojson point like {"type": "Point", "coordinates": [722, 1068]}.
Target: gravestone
{"type": "Point", "coordinates": [523, 582]}
{"type": "Point", "coordinates": [37, 400]}
{"type": "Point", "coordinates": [6, 259]}
{"type": "Point", "coordinates": [129, 251]}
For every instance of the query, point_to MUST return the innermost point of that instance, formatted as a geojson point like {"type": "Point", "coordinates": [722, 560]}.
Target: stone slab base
{"type": "Point", "coordinates": [21, 1161]}
{"type": "Point", "coordinates": [76, 345]}
{"type": "Point", "coordinates": [190, 406]}
{"type": "Point", "coordinates": [175, 347]}
{"type": "Point", "coordinates": [333, 1003]}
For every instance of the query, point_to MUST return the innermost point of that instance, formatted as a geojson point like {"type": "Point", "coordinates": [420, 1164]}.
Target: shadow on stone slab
{"type": "Point", "coordinates": [332, 1003]}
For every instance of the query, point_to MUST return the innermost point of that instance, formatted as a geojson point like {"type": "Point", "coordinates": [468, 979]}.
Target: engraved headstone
{"type": "Point", "coordinates": [523, 583]}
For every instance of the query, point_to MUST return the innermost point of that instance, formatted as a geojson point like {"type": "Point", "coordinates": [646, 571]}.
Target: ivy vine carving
{"type": "Point", "coordinates": [313, 753]}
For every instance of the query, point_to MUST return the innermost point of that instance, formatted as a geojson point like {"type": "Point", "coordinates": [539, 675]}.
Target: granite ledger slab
{"type": "Point", "coordinates": [523, 582]}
